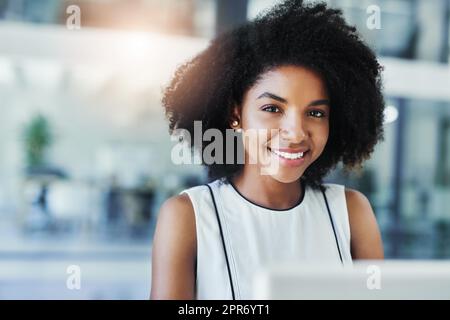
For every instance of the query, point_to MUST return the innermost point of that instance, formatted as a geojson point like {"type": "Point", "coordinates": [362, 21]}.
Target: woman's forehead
{"type": "Point", "coordinates": [289, 82]}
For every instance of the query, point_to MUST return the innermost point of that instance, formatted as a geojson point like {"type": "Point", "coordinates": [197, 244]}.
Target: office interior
{"type": "Point", "coordinates": [85, 150]}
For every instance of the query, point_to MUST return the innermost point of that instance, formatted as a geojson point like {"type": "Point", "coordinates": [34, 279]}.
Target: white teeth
{"type": "Point", "coordinates": [288, 155]}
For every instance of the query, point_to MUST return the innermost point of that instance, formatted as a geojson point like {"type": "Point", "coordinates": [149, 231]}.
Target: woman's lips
{"type": "Point", "coordinates": [290, 150]}
{"type": "Point", "coordinates": [290, 157]}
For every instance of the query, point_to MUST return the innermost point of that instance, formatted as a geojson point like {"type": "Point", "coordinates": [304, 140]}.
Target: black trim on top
{"type": "Point", "coordinates": [332, 225]}
{"type": "Point", "coordinates": [223, 242]}
{"type": "Point", "coordinates": [258, 205]}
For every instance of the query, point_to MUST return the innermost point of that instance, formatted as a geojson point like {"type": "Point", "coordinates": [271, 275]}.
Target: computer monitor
{"type": "Point", "coordinates": [388, 279]}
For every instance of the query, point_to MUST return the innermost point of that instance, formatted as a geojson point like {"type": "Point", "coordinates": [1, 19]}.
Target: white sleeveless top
{"type": "Point", "coordinates": [255, 236]}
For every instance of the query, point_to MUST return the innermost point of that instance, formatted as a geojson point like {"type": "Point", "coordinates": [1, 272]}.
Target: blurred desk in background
{"type": "Point", "coordinates": [36, 267]}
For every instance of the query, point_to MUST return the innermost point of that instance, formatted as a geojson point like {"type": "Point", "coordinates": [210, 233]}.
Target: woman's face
{"type": "Point", "coordinates": [291, 104]}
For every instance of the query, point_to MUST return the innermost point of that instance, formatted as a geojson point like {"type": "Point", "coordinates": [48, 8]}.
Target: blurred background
{"type": "Point", "coordinates": [85, 151]}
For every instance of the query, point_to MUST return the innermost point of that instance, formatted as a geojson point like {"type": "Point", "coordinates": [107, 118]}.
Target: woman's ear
{"type": "Point", "coordinates": [235, 118]}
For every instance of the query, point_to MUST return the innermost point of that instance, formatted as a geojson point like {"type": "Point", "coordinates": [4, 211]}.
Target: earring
{"type": "Point", "coordinates": [235, 123]}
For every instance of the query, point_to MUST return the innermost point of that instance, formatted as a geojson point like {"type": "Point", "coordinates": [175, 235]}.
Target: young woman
{"type": "Point", "coordinates": [303, 75]}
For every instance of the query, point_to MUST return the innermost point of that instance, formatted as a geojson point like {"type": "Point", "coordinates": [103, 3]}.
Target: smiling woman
{"type": "Point", "coordinates": [303, 80]}
{"type": "Point", "coordinates": [292, 103]}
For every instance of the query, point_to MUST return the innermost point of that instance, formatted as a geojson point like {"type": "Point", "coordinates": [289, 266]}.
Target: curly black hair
{"type": "Point", "coordinates": [207, 87]}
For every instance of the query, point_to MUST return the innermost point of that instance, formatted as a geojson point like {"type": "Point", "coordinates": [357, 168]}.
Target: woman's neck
{"type": "Point", "coordinates": [266, 191]}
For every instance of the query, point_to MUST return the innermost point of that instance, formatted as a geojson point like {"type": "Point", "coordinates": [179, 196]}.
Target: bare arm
{"type": "Point", "coordinates": [366, 240]}
{"type": "Point", "coordinates": [174, 251]}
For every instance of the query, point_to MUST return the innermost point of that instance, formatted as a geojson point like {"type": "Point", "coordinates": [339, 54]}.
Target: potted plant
{"type": "Point", "coordinates": [37, 137]}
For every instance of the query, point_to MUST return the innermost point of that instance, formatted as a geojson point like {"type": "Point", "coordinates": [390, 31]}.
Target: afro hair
{"type": "Point", "coordinates": [314, 36]}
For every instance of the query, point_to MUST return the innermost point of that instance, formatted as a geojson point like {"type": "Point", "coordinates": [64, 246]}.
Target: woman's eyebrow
{"type": "Point", "coordinates": [283, 100]}
{"type": "Point", "coordinates": [272, 96]}
{"type": "Point", "coordinates": [319, 102]}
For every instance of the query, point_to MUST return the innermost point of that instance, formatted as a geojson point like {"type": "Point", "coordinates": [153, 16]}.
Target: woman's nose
{"type": "Point", "coordinates": [294, 130]}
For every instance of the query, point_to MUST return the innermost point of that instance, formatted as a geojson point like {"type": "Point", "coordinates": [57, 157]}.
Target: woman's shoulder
{"type": "Point", "coordinates": [176, 214]}
{"type": "Point", "coordinates": [355, 200]}
{"type": "Point", "coordinates": [177, 203]}
{"type": "Point", "coordinates": [201, 191]}
{"type": "Point", "coordinates": [182, 206]}
{"type": "Point", "coordinates": [334, 192]}
{"type": "Point", "coordinates": [174, 250]}
{"type": "Point", "coordinates": [352, 196]}
{"type": "Point", "coordinates": [366, 237]}
{"type": "Point", "coordinates": [176, 223]}
{"type": "Point", "coordinates": [366, 240]}
{"type": "Point", "coordinates": [333, 186]}
{"type": "Point", "coordinates": [355, 197]}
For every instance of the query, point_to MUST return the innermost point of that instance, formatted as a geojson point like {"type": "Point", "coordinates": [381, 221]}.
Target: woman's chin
{"type": "Point", "coordinates": [282, 172]}
{"type": "Point", "coordinates": [286, 177]}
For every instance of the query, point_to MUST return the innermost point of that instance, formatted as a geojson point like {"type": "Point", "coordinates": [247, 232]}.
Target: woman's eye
{"type": "Point", "coordinates": [317, 114]}
{"type": "Point", "coordinates": [271, 108]}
